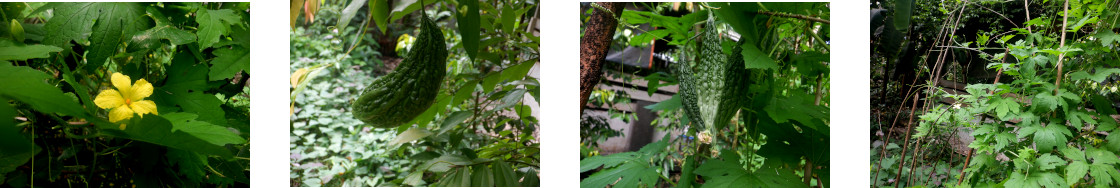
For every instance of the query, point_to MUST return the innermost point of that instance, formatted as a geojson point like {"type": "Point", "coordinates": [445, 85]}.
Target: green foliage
{"type": "Point", "coordinates": [196, 137]}
{"type": "Point", "coordinates": [756, 108]}
{"type": "Point", "coordinates": [727, 172]}
{"type": "Point", "coordinates": [1037, 125]}
{"type": "Point", "coordinates": [478, 130]}
{"type": "Point", "coordinates": [634, 168]}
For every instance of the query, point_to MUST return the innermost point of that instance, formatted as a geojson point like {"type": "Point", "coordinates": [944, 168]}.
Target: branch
{"type": "Point", "coordinates": [798, 16]}
{"type": "Point", "coordinates": [1058, 82]}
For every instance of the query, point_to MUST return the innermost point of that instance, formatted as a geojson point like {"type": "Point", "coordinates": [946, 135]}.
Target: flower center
{"type": "Point", "coordinates": [128, 101]}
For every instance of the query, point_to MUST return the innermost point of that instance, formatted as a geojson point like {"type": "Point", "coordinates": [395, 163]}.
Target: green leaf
{"type": "Point", "coordinates": [755, 58]}
{"type": "Point", "coordinates": [454, 119]}
{"type": "Point", "coordinates": [741, 16]}
{"type": "Point", "coordinates": [465, 92]}
{"type": "Point", "coordinates": [1075, 171]}
{"type": "Point", "coordinates": [902, 11]}
{"type": "Point", "coordinates": [1077, 26]}
{"type": "Point", "coordinates": [606, 161]}
{"type": "Point", "coordinates": [509, 17]}
{"type": "Point", "coordinates": [783, 109]}
{"type": "Point", "coordinates": [206, 106]}
{"type": "Point", "coordinates": [229, 62]}
{"type": "Point", "coordinates": [644, 39]}
{"type": "Point", "coordinates": [214, 134]}
{"type": "Point", "coordinates": [157, 130]}
{"type": "Point", "coordinates": [504, 175]}
{"type": "Point", "coordinates": [415, 178]}
{"type": "Point", "coordinates": [631, 174]}
{"type": "Point", "coordinates": [164, 30]}
{"type": "Point", "coordinates": [100, 25]}
{"type": "Point", "coordinates": [185, 75]}
{"type": "Point", "coordinates": [1078, 118]}
{"type": "Point", "coordinates": [1048, 162]}
{"type": "Point", "coordinates": [14, 52]}
{"type": "Point", "coordinates": [1046, 100]}
{"type": "Point", "coordinates": [1099, 76]}
{"type": "Point", "coordinates": [33, 89]}
{"type": "Point", "coordinates": [213, 24]}
{"type": "Point", "coordinates": [424, 118]}
{"type": "Point", "coordinates": [482, 176]}
{"type": "Point", "coordinates": [1102, 156]}
{"type": "Point", "coordinates": [518, 72]}
{"type": "Point", "coordinates": [150, 38]}
{"type": "Point", "coordinates": [403, 7]}
{"type": "Point", "coordinates": [1104, 175]}
{"type": "Point", "coordinates": [1036, 179]}
{"type": "Point", "coordinates": [380, 11]}
{"type": "Point", "coordinates": [1053, 135]}
{"type": "Point", "coordinates": [1107, 37]}
{"type": "Point", "coordinates": [469, 26]}
{"type": "Point", "coordinates": [673, 103]}
{"type": "Point", "coordinates": [726, 171]}
{"type": "Point", "coordinates": [191, 164]}
{"type": "Point", "coordinates": [349, 12]}
{"type": "Point", "coordinates": [412, 134]}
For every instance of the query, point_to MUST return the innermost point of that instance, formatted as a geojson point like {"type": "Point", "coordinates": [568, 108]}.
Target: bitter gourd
{"type": "Point", "coordinates": [712, 93]}
{"type": "Point", "coordinates": [411, 88]}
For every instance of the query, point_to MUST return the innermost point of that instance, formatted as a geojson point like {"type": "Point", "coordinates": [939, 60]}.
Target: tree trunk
{"type": "Point", "coordinates": [593, 47]}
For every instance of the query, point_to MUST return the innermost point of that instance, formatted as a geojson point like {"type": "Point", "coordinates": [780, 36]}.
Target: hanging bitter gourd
{"type": "Point", "coordinates": [408, 91]}
{"type": "Point", "coordinates": [712, 93]}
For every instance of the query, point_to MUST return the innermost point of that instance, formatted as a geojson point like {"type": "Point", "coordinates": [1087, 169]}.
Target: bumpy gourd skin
{"type": "Point", "coordinates": [712, 93]}
{"type": "Point", "coordinates": [408, 91]}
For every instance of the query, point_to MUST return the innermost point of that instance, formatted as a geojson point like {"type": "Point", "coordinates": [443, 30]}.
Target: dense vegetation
{"type": "Point", "coordinates": [995, 93]}
{"type": "Point", "coordinates": [753, 113]}
{"type": "Point", "coordinates": [479, 131]}
{"type": "Point", "coordinates": [124, 94]}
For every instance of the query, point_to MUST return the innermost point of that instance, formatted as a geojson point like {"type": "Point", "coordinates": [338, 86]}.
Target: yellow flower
{"type": "Point", "coordinates": [127, 99]}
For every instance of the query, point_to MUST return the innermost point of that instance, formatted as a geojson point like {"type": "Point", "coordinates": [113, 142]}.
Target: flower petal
{"type": "Point", "coordinates": [108, 98]}
{"type": "Point", "coordinates": [123, 84]}
{"type": "Point", "coordinates": [120, 113]}
{"type": "Point", "coordinates": [144, 107]}
{"type": "Point", "coordinates": [141, 89]}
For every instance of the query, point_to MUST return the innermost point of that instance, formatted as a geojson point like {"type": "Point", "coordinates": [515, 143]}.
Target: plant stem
{"type": "Point", "coordinates": [906, 142]}
{"type": "Point", "coordinates": [1065, 16]}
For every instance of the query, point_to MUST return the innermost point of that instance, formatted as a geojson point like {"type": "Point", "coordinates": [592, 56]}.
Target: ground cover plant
{"type": "Point", "coordinates": [752, 105]}
{"type": "Point", "coordinates": [995, 94]}
{"type": "Point", "coordinates": [360, 118]}
{"type": "Point", "coordinates": [124, 94]}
